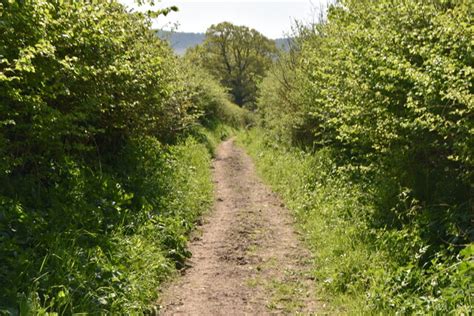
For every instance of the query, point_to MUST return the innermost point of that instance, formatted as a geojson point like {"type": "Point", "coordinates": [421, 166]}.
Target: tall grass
{"type": "Point", "coordinates": [359, 266]}
{"type": "Point", "coordinates": [134, 237]}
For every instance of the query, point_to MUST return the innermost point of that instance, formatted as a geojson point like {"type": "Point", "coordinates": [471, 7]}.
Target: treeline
{"type": "Point", "coordinates": [238, 57]}
{"type": "Point", "coordinates": [376, 105]}
{"type": "Point", "coordinates": [104, 159]}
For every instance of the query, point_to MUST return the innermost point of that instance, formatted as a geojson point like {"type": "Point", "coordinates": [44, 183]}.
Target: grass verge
{"type": "Point", "coordinates": [141, 209]}
{"type": "Point", "coordinates": [359, 267]}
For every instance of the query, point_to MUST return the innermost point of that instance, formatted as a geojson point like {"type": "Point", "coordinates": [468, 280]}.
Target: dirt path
{"type": "Point", "coordinates": [247, 259]}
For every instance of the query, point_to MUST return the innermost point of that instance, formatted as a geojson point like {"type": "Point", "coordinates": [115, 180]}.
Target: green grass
{"type": "Point", "coordinates": [75, 267]}
{"type": "Point", "coordinates": [285, 295]}
{"type": "Point", "coordinates": [358, 267]}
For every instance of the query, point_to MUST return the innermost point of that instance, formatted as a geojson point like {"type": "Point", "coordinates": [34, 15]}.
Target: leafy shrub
{"type": "Point", "coordinates": [113, 257]}
{"type": "Point", "coordinates": [100, 181]}
{"type": "Point", "coordinates": [386, 88]}
{"type": "Point", "coordinates": [362, 268]}
{"type": "Point", "coordinates": [213, 100]}
{"type": "Point", "coordinates": [396, 103]}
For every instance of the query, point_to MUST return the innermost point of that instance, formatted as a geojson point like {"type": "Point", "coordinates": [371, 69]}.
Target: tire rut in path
{"type": "Point", "coordinates": [248, 259]}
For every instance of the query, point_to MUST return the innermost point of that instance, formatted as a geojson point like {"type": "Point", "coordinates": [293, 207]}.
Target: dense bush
{"type": "Point", "coordinates": [385, 89]}
{"type": "Point", "coordinates": [107, 240]}
{"type": "Point", "coordinates": [100, 180]}
{"type": "Point", "coordinates": [357, 267]}
{"type": "Point", "coordinates": [278, 108]}
{"type": "Point", "coordinates": [213, 100]}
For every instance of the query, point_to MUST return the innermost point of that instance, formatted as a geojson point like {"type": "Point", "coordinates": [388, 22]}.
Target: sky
{"type": "Point", "coordinates": [273, 18]}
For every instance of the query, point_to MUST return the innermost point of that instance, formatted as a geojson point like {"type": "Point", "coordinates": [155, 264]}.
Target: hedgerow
{"type": "Point", "coordinates": [101, 176]}
{"type": "Point", "coordinates": [384, 88]}
{"type": "Point", "coordinates": [359, 268]}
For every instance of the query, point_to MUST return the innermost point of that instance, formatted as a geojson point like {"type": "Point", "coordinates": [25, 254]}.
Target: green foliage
{"type": "Point", "coordinates": [403, 91]}
{"type": "Point", "coordinates": [236, 56]}
{"type": "Point", "coordinates": [386, 88]}
{"type": "Point", "coordinates": [363, 268]}
{"type": "Point", "coordinates": [100, 180]}
{"type": "Point", "coordinates": [278, 108]}
{"type": "Point", "coordinates": [113, 256]}
{"type": "Point", "coordinates": [212, 99]}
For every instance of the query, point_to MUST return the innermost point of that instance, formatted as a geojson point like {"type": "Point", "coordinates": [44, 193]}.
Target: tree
{"type": "Point", "coordinates": [238, 57]}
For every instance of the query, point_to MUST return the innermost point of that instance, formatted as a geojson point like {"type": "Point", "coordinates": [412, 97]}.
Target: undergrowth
{"type": "Point", "coordinates": [105, 145]}
{"type": "Point", "coordinates": [359, 266]}
{"type": "Point", "coordinates": [113, 259]}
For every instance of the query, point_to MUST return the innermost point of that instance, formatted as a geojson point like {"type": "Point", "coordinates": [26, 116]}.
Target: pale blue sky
{"type": "Point", "coordinates": [272, 18]}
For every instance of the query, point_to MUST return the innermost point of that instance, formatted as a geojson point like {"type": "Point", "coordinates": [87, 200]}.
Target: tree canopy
{"type": "Point", "coordinates": [238, 57]}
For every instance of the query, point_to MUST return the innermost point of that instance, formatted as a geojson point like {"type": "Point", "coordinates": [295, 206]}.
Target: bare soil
{"type": "Point", "coordinates": [247, 258]}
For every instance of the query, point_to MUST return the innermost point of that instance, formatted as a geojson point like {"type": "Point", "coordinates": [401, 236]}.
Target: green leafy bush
{"type": "Point", "coordinates": [385, 88]}
{"type": "Point", "coordinates": [360, 268]}
{"type": "Point", "coordinates": [212, 99]}
{"type": "Point", "coordinates": [100, 180]}
{"type": "Point", "coordinates": [108, 240]}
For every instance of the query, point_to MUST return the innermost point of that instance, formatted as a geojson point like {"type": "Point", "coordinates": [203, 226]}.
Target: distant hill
{"type": "Point", "coordinates": [283, 43]}
{"type": "Point", "coordinates": [181, 41]}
